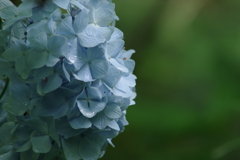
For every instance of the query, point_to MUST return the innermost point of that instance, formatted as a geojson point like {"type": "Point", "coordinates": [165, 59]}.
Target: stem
{"type": "Point", "coordinates": [4, 89]}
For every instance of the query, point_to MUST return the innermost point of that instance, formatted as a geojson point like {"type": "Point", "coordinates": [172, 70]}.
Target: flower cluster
{"type": "Point", "coordinates": [66, 79]}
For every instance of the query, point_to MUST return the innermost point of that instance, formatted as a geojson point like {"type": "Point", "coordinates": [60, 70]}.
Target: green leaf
{"type": "Point", "coordinates": [12, 54]}
{"type": "Point", "coordinates": [70, 147]}
{"type": "Point", "coordinates": [29, 155]}
{"type": "Point", "coordinates": [15, 107]}
{"type": "Point", "coordinates": [53, 83]}
{"type": "Point", "coordinates": [22, 67]}
{"type": "Point", "coordinates": [6, 152]}
{"type": "Point", "coordinates": [5, 69]}
{"type": "Point", "coordinates": [37, 59]}
{"type": "Point", "coordinates": [0, 24]}
{"type": "Point", "coordinates": [6, 136]}
{"type": "Point", "coordinates": [20, 91]}
{"type": "Point", "coordinates": [23, 134]}
{"type": "Point", "coordinates": [8, 155]}
{"type": "Point", "coordinates": [41, 144]}
{"type": "Point", "coordinates": [38, 125]}
{"type": "Point", "coordinates": [26, 146]}
{"type": "Point", "coordinates": [52, 129]}
{"type": "Point", "coordinates": [64, 128]}
{"type": "Point", "coordinates": [55, 154]}
{"type": "Point", "coordinates": [88, 149]}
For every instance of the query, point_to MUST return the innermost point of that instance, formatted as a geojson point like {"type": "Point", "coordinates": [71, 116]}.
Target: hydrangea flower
{"type": "Point", "coordinates": [65, 79]}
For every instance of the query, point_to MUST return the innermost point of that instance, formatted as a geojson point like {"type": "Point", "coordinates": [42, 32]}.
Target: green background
{"type": "Point", "coordinates": [188, 87]}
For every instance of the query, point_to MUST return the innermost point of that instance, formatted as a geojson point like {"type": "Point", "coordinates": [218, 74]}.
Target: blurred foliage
{"type": "Point", "coordinates": [188, 68]}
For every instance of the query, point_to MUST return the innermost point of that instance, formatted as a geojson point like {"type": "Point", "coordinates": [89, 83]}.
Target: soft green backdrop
{"type": "Point", "coordinates": [188, 87]}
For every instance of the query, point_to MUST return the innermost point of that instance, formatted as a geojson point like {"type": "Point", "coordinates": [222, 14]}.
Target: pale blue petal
{"type": "Point", "coordinates": [114, 47]}
{"type": "Point", "coordinates": [112, 77]}
{"type": "Point", "coordinates": [65, 27]}
{"type": "Point", "coordinates": [51, 60]}
{"type": "Point", "coordinates": [99, 68]}
{"type": "Point", "coordinates": [94, 3]}
{"type": "Point", "coordinates": [93, 93]}
{"type": "Point", "coordinates": [9, 12]}
{"type": "Point", "coordinates": [117, 34]}
{"type": "Point", "coordinates": [72, 53]}
{"type": "Point", "coordinates": [65, 73]}
{"type": "Point", "coordinates": [5, 3]}
{"type": "Point", "coordinates": [78, 4]}
{"type": "Point", "coordinates": [8, 23]}
{"type": "Point", "coordinates": [85, 73]}
{"type": "Point", "coordinates": [21, 45]}
{"type": "Point", "coordinates": [32, 32]}
{"type": "Point", "coordinates": [105, 32]}
{"type": "Point", "coordinates": [113, 124]}
{"type": "Point", "coordinates": [40, 14]}
{"type": "Point", "coordinates": [126, 54]}
{"type": "Point", "coordinates": [62, 3]}
{"type": "Point", "coordinates": [90, 37]}
{"type": "Point", "coordinates": [56, 44]}
{"type": "Point", "coordinates": [108, 133]}
{"type": "Point", "coordinates": [97, 106]}
{"type": "Point", "coordinates": [52, 26]}
{"type": "Point", "coordinates": [84, 109]}
{"type": "Point", "coordinates": [28, 4]}
{"type": "Point", "coordinates": [80, 122]}
{"type": "Point", "coordinates": [113, 111]}
{"type": "Point", "coordinates": [83, 95]}
{"type": "Point", "coordinates": [49, 6]}
{"type": "Point", "coordinates": [95, 53]}
{"type": "Point", "coordinates": [130, 64]}
{"type": "Point", "coordinates": [110, 141]}
{"type": "Point", "coordinates": [24, 11]}
{"type": "Point", "coordinates": [118, 65]}
{"type": "Point", "coordinates": [76, 86]}
{"type": "Point", "coordinates": [110, 6]}
{"type": "Point", "coordinates": [125, 104]}
{"type": "Point", "coordinates": [100, 121]}
{"type": "Point", "coordinates": [103, 17]}
{"type": "Point", "coordinates": [40, 41]}
{"type": "Point", "coordinates": [81, 21]}
{"type": "Point", "coordinates": [120, 89]}
{"type": "Point", "coordinates": [129, 80]}
{"type": "Point", "coordinates": [115, 99]}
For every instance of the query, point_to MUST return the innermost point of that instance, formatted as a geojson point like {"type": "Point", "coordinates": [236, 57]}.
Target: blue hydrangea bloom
{"type": "Point", "coordinates": [65, 79]}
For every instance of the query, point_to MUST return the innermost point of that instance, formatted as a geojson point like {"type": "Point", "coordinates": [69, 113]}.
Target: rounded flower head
{"type": "Point", "coordinates": [65, 79]}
